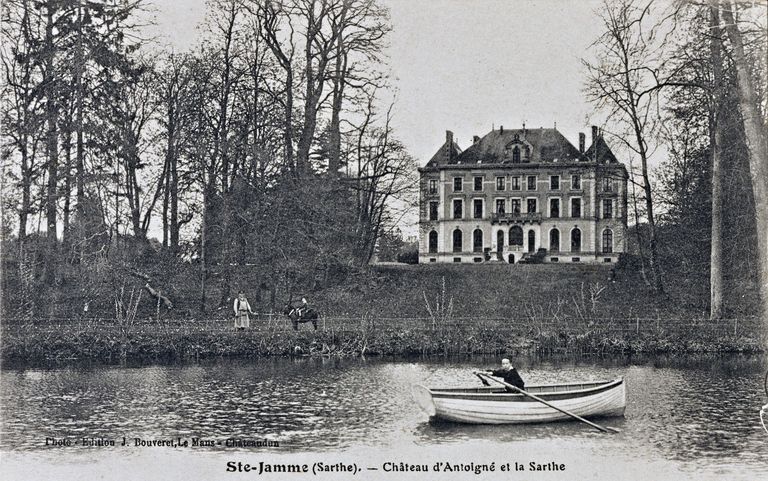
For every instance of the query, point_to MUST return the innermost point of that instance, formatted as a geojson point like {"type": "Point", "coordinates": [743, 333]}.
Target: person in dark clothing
{"type": "Point", "coordinates": [509, 374]}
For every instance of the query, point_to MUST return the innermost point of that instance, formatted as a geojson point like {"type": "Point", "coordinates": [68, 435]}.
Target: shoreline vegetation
{"type": "Point", "coordinates": [404, 310]}
{"type": "Point", "coordinates": [191, 341]}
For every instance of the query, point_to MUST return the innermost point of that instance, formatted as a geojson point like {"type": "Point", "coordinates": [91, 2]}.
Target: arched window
{"type": "Point", "coordinates": [554, 240]}
{"type": "Point", "coordinates": [575, 240]}
{"type": "Point", "coordinates": [477, 241]}
{"type": "Point", "coordinates": [527, 154]}
{"type": "Point", "coordinates": [531, 241]}
{"type": "Point", "coordinates": [432, 242]}
{"type": "Point", "coordinates": [516, 236]}
{"type": "Point", "coordinates": [457, 240]}
{"type": "Point", "coordinates": [607, 241]}
{"type": "Point", "coordinates": [500, 245]}
{"type": "Point", "coordinates": [516, 155]}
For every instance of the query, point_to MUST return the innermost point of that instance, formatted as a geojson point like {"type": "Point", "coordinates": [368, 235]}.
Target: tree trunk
{"type": "Point", "coordinates": [52, 144]}
{"type": "Point", "coordinates": [757, 145]}
{"type": "Point", "coordinates": [174, 196]}
{"type": "Point", "coordinates": [80, 151]}
{"type": "Point", "coordinates": [716, 134]}
{"type": "Point", "coordinates": [334, 143]}
{"type": "Point", "coordinates": [288, 127]}
{"type": "Point", "coordinates": [67, 179]}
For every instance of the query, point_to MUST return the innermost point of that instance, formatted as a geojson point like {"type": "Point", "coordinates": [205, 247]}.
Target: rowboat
{"type": "Point", "coordinates": [494, 405]}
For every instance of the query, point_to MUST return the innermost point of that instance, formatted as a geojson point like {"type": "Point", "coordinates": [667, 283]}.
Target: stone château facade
{"type": "Point", "coordinates": [525, 194]}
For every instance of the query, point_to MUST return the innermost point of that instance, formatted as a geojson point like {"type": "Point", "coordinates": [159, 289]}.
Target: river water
{"type": "Point", "coordinates": [685, 419]}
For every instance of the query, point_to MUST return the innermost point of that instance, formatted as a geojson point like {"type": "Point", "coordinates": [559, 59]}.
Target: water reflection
{"type": "Point", "coordinates": [701, 412]}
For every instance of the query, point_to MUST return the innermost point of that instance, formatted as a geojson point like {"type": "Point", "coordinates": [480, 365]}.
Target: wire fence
{"type": "Point", "coordinates": [270, 322]}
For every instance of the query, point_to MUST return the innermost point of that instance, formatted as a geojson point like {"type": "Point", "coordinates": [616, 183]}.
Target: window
{"type": "Point", "coordinates": [575, 240]}
{"type": "Point", "coordinates": [531, 182]}
{"type": "Point", "coordinates": [457, 184]}
{"type": "Point", "coordinates": [432, 242]}
{"type": "Point", "coordinates": [554, 208]}
{"type": "Point", "coordinates": [457, 259]}
{"type": "Point", "coordinates": [433, 210]}
{"type": "Point", "coordinates": [478, 183]}
{"type": "Point", "coordinates": [575, 181]}
{"type": "Point", "coordinates": [515, 183]}
{"type": "Point", "coordinates": [458, 208]}
{"type": "Point", "coordinates": [477, 209]}
{"type": "Point", "coordinates": [433, 186]}
{"type": "Point", "coordinates": [607, 209]}
{"type": "Point", "coordinates": [514, 206]}
{"type": "Point", "coordinates": [554, 182]}
{"type": "Point", "coordinates": [527, 154]}
{"type": "Point", "coordinates": [457, 240]}
{"type": "Point", "coordinates": [576, 208]}
{"type": "Point", "coordinates": [477, 241]}
{"type": "Point", "coordinates": [499, 183]}
{"type": "Point", "coordinates": [531, 206]}
{"type": "Point", "coordinates": [516, 155]}
{"type": "Point", "coordinates": [554, 240]}
{"type": "Point", "coordinates": [607, 241]}
{"type": "Point", "coordinates": [531, 241]}
{"type": "Point", "coordinates": [516, 236]}
{"type": "Point", "coordinates": [499, 243]}
{"type": "Point", "coordinates": [500, 206]}
{"type": "Point", "coordinates": [607, 184]}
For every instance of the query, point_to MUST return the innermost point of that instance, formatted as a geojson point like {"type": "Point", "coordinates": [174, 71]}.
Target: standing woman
{"type": "Point", "coordinates": [242, 308]}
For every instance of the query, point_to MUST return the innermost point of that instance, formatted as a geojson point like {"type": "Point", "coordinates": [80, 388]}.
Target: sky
{"type": "Point", "coordinates": [465, 65]}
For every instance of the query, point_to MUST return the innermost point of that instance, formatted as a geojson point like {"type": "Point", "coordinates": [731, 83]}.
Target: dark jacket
{"type": "Point", "coordinates": [510, 376]}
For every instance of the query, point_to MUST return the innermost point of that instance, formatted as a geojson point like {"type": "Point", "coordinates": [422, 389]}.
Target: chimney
{"type": "Point", "coordinates": [594, 143]}
{"type": "Point", "coordinates": [448, 145]}
{"type": "Point", "coordinates": [475, 139]}
{"type": "Point", "coordinates": [582, 141]}
{"type": "Point", "coordinates": [501, 129]}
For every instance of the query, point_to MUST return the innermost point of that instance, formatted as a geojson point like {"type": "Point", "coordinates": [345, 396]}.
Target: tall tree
{"type": "Point", "coordinates": [757, 144]}
{"type": "Point", "coordinates": [625, 80]}
{"type": "Point", "coordinates": [716, 143]}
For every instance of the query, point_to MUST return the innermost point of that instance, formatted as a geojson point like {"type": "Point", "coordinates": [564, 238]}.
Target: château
{"type": "Point", "coordinates": [523, 195]}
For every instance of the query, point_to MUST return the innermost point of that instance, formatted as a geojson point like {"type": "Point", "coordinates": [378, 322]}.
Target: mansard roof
{"type": "Point", "coordinates": [545, 145]}
{"type": "Point", "coordinates": [497, 147]}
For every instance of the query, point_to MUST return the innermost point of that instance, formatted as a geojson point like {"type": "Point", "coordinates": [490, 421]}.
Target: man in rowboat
{"type": "Point", "coordinates": [509, 374]}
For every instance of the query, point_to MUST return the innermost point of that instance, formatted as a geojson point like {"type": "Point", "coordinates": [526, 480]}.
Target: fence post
{"type": "Point", "coordinates": [637, 325]}
{"type": "Point", "coordinates": [735, 324]}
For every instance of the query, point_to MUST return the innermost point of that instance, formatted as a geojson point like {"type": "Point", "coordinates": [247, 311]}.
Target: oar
{"type": "Point", "coordinates": [537, 398]}
{"type": "Point", "coordinates": [485, 383]}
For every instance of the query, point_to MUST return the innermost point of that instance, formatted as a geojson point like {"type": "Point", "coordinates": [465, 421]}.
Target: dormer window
{"type": "Point", "coordinates": [527, 154]}
{"type": "Point", "coordinates": [516, 155]}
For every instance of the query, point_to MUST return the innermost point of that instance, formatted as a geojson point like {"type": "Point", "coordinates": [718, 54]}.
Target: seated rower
{"type": "Point", "coordinates": [509, 374]}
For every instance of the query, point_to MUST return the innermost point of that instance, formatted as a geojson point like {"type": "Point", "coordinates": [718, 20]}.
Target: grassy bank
{"type": "Point", "coordinates": [393, 310]}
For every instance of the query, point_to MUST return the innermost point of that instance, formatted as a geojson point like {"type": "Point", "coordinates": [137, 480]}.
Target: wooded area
{"type": "Point", "coordinates": [689, 78]}
{"type": "Point", "coordinates": [268, 145]}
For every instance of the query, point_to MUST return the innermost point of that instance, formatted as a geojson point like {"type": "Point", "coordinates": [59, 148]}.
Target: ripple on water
{"type": "Point", "coordinates": [702, 416]}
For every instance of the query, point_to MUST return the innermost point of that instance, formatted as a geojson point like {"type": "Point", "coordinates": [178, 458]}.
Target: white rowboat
{"type": "Point", "coordinates": [494, 405]}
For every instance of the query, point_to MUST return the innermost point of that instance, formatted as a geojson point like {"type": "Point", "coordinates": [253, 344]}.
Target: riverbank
{"type": "Point", "coordinates": [191, 340]}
